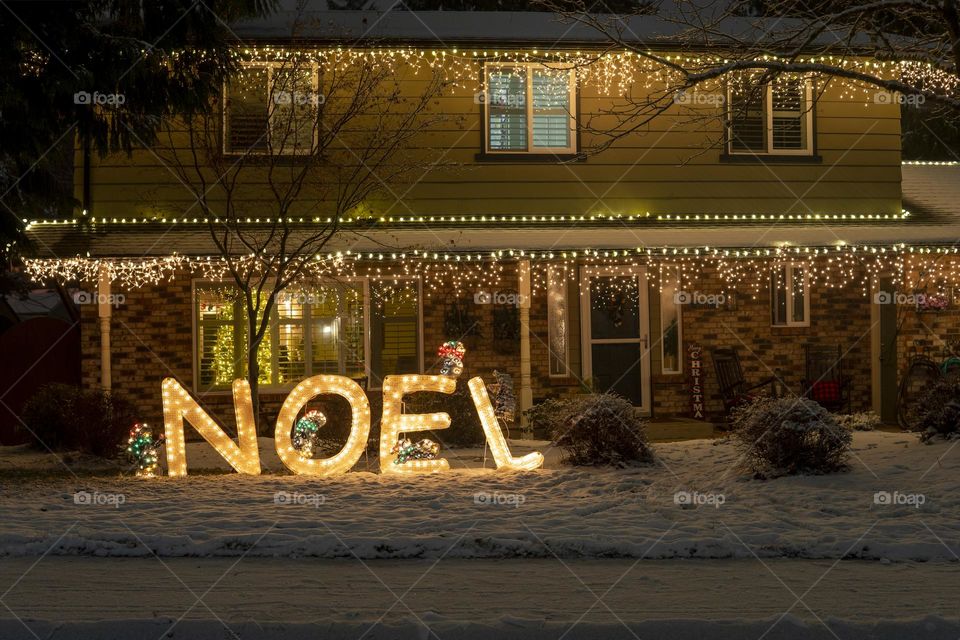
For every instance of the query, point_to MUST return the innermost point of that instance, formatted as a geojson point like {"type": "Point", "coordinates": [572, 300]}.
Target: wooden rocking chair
{"type": "Point", "coordinates": [824, 381]}
{"type": "Point", "coordinates": [733, 387]}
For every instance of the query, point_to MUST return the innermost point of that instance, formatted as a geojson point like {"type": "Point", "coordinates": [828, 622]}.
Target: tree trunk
{"type": "Point", "coordinates": [253, 374]}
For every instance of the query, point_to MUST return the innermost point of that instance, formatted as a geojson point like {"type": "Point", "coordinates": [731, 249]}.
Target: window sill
{"type": "Point", "coordinates": [759, 158]}
{"type": "Point", "coordinates": [543, 158]}
{"type": "Point", "coordinates": [799, 325]}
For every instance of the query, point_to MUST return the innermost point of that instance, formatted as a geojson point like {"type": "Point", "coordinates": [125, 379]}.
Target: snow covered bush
{"type": "Point", "coordinates": [938, 412]}
{"type": "Point", "coordinates": [548, 416]}
{"type": "Point", "coordinates": [786, 436]}
{"type": "Point", "coordinates": [63, 417]}
{"type": "Point", "coordinates": [860, 421]}
{"type": "Point", "coordinates": [601, 430]}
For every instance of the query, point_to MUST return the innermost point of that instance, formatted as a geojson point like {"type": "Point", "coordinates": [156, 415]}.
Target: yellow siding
{"type": "Point", "coordinates": [668, 167]}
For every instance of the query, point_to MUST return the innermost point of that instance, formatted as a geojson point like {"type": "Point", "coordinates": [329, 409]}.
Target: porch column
{"type": "Point", "coordinates": [104, 310]}
{"type": "Point", "coordinates": [523, 289]}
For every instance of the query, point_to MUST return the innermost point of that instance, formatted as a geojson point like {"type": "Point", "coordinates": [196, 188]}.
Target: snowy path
{"type": "Point", "coordinates": [570, 513]}
{"type": "Point", "coordinates": [271, 598]}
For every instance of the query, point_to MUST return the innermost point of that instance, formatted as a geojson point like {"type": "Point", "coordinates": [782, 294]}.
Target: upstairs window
{"type": "Point", "coordinates": [530, 108]}
{"type": "Point", "coordinates": [790, 296]}
{"type": "Point", "coordinates": [774, 119]}
{"type": "Point", "coordinates": [271, 109]}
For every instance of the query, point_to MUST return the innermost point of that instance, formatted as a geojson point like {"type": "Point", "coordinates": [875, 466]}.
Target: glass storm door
{"type": "Point", "coordinates": [616, 349]}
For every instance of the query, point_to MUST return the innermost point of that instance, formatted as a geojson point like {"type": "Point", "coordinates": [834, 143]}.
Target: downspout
{"type": "Point", "coordinates": [104, 311]}
{"type": "Point", "coordinates": [526, 391]}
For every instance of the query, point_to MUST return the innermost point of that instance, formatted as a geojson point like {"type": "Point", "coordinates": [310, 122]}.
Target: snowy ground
{"type": "Point", "coordinates": [477, 513]}
{"type": "Point", "coordinates": [475, 554]}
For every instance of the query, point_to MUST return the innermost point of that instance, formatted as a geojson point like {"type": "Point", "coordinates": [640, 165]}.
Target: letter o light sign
{"type": "Point", "coordinates": [244, 456]}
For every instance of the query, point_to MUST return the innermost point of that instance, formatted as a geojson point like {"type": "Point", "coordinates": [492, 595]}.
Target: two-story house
{"type": "Point", "coordinates": [766, 219]}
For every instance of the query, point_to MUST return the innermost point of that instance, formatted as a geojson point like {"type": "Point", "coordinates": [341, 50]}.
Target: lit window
{"type": "Point", "coordinates": [311, 331]}
{"type": "Point", "coordinates": [670, 328]}
{"type": "Point", "coordinates": [789, 295]}
{"type": "Point", "coordinates": [530, 109]}
{"type": "Point", "coordinates": [776, 118]}
{"type": "Point", "coordinates": [271, 108]}
{"type": "Point", "coordinates": [557, 321]}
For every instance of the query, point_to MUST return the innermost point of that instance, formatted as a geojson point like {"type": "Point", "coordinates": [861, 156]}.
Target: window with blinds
{"type": "Point", "coordinates": [530, 109]}
{"type": "Point", "coordinates": [395, 328]}
{"type": "Point", "coordinates": [775, 118]}
{"type": "Point", "coordinates": [789, 295]}
{"type": "Point", "coordinates": [271, 109]}
{"type": "Point", "coordinates": [313, 331]}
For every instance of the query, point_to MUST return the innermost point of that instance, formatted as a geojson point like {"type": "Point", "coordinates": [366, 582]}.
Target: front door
{"type": "Point", "coordinates": [616, 347]}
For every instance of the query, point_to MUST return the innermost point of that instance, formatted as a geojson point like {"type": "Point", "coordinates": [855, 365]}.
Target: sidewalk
{"type": "Point", "coordinates": [81, 598]}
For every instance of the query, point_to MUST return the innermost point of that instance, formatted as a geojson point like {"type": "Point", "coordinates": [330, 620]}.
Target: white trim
{"type": "Point", "coordinates": [565, 293]}
{"type": "Point", "coordinates": [571, 108]}
{"type": "Point", "coordinates": [809, 105]}
{"type": "Point", "coordinates": [643, 315]}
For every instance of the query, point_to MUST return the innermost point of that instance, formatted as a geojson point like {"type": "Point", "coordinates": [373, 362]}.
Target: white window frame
{"type": "Point", "coordinates": [571, 116]}
{"type": "Point", "coordinates": [270, 150]}
{"type": "Point", "coordinates": [679, 307]}
{"type": "Point", "coordinates": [768, 124]}
{"type": "Point", "coordinates": [788, 287]}
{"type": "Point", "coordinates": [306, 323]}
{"type": "Point", "coordinates": [561, 272]}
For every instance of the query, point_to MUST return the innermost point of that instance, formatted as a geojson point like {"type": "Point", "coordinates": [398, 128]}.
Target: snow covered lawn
{"type": "Point", "coordinates": [476, 513]}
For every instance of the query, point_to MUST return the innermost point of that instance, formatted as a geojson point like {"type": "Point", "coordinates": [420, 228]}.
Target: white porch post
{"type": "Point", "coordinates": [523, 289]}
{"type": "Point", "coordinates": [104, 311]}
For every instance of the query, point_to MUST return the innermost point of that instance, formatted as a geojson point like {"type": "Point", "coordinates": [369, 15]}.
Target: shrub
{"type": "Point", "coordinates": [601, 430]}
{"type": "Point", "coordinates": [860, 421]}
{"type": "Point", "coordinates": [465, 429]}
{"type": "Point", "coordinates": [786, 436]}
{"type": "Point", "coordinates": [553, 415]}
{"type": "Point", "coordinates": [938, 410]}
{"type": "Point", "coordinates": [64, 417]}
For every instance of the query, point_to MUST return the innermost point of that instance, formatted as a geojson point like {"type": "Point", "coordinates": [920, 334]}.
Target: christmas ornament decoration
{"type": "Point", "coordinates": [504, 398]}
{"type": "Point", "coordinates": [406, 449]}
{"type": "Point", "coordinates": [306, 432]}
{"type": "Point", "coordinates": [143, 450]}
{"type": "Point", "coordinates": [452, 353]}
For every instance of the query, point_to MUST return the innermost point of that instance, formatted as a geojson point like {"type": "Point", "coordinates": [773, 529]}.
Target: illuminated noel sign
{"type": "Point", "coordinates": [244, 456]}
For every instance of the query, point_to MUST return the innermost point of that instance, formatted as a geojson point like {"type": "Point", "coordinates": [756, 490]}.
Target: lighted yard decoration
{"type": "Point", "coordinates": [244, 456]}
{"type": "Point", "coordinates": [306, 432]}
{"type": "Point", "coordinates": [144, 450]}
{"type": "Point", "coordinates": [452, 353]}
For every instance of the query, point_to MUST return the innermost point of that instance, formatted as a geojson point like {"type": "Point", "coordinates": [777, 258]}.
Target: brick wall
{"type": "Point", "coordinates": [151, 339]}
